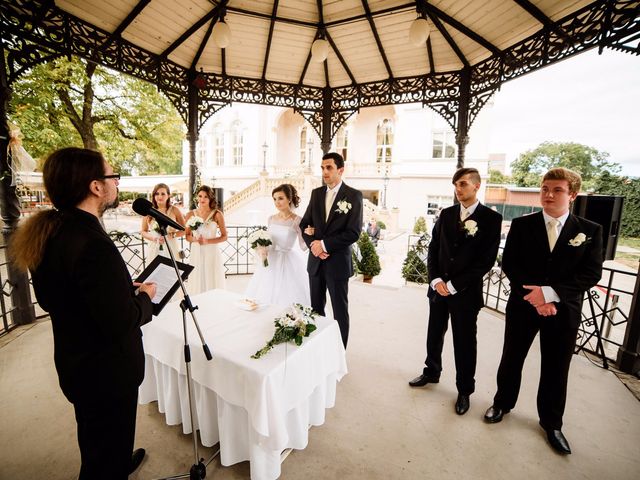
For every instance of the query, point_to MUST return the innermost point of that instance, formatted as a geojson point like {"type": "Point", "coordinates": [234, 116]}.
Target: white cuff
{"type": "Point", "coordinates": [323, 247]}
{"type": "Point", "coordinates": [452, 290]}
{"type": "Point", "coordinates": [550, 294]}
{"type": "Point", "coordinates": [435, 281]}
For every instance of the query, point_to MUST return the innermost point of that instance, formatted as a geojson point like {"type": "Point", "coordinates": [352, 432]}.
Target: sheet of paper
{"type": "Point", "coordinates": [164, 277]}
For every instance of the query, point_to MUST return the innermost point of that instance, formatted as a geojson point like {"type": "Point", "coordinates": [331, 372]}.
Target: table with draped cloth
{"type": "Point", "coordinates": [254, 408]}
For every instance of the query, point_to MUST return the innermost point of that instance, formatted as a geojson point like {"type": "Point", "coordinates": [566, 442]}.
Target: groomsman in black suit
{"type": "Point", "coordinates": [331, 224]}
{"type": "Point", "coordinates": [463, 248]}
{"type": "Point", "coordinates": [551, 258]}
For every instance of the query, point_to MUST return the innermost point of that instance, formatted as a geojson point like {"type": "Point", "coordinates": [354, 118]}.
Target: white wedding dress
{"type": "Point", "coordinates": [209, 270]}
{"type": "Point", "coordinates": [285, 280]}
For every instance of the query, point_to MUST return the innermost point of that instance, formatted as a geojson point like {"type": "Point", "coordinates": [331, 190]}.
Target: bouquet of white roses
{"type": "Point", "coordinates": [259, 240]}
{"type": "Point", "coordinates": [194, 223]}
{"type": "Point", "coordinates": [155, 228]}
{"type": "Point", "coordinates": [295, 324]}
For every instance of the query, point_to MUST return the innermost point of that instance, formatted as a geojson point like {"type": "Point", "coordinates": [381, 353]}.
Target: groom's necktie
{"type": "Point", "coordinates": [464, 214]}
{"type": "Point", "coordinates": [328, 202]}
{"type": "Point", "coordinates": [552, 232]}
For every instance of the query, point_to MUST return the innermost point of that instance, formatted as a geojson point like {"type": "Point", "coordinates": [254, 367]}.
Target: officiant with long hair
{"type": "Point", "coordinates": [80, 278]}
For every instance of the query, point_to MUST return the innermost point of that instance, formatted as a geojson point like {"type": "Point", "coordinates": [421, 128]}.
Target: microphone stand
{"type": "Point", "coordinates": [198, 470]}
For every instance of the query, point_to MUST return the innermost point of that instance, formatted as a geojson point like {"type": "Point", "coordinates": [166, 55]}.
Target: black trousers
{"type": "Point", "coordinates": [464, 320]}
{"type": "Point", "coordinates": [338, 291]}
{"type": "Point", "coordinates": [106, 431]}
{"type": "Point", "coordinates": [557, 342]}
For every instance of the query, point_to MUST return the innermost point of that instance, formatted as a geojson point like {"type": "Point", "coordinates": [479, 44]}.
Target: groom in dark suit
{"type": "Point", "coordinates": [551, 258]}
{"type": "Point", "coordinates": [463, 248]}
{"type": "Point", "coordinates": [331, 224]}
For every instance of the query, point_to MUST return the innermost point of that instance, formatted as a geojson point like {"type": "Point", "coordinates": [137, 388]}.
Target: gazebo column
{"type": "Point", "coordinates": [192, 137]}
{"type": "Point", "coordinates": [462, 135]}
{"type": "Point", "coordinates": [325, 141]}
{"type": "Point", "coordinates": [23, 311]}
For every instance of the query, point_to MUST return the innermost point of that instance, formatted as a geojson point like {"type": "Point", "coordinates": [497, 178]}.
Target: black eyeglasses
{"type": "Point", "coordinates": [115, 176]}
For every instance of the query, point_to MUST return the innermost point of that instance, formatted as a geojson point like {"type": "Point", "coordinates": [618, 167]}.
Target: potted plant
{"type": "Point", "coordinates": [368, 262]}
{"type": "Point", "coordinates": [420, 226]}
{"type": "Point", "coordinates": [414, 267]}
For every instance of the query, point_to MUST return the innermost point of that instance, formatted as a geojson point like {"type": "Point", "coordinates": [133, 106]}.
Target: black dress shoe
{"type": "Point", "coordinates": [494, 414]}
{"type": "Point", "coordinates": [462, 404]}
{"type": "Point", "coordinates": [136, 459]}
{"type": "Point", "coordinates": [558, 441]}
{"type": "Point", "coordinates": [422, 380]}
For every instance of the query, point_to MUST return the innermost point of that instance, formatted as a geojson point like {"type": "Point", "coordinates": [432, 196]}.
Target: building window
{"type": "Point", "coordinates": [303, 145]}
{"type": "Point", "coordinates": [201, 152]}
{"type": "Point", "coordinates": [444, 144]}
{"type": "Point", "coordinates": [341, 141]}
{"type": "Point", "coordinates": [436, 203]}
{"type": "Point", "coordinates": [218, 145]}
{"type": "Point", "coordinates": [237, 138]}
{"type": "Point", "coordinates": [384, 141]}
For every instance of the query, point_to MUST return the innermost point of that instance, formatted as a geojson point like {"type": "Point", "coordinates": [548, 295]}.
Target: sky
{"type": "Point", "coordinates": [589, 99]}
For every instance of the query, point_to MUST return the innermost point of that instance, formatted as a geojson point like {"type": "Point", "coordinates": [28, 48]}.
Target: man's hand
{"type": "Point", "coordinates": [316, 248]}
{"type": "Point", "coordinates": [535, 297]}
{"type": "Point", "coordinates": [148, 288]}
{"type": "Point", "coordinates": [546, 310]}
{"type": "Point", "coordinates": [442, 289]}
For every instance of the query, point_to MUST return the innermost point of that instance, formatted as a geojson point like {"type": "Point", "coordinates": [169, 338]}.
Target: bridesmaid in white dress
{"type": "Point", "coordinates": [209, 271]}
{"type": "Point", "coordinates": [161, 200]}
{"type": "Point", "coordinates": [284, 281]}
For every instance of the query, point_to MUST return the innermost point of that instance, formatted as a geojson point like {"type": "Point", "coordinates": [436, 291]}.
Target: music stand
{"type": "Point", "coordinates": [198, 470]}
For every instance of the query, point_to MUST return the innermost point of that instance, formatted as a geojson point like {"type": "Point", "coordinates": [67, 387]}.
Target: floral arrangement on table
{"type": "Point", "coordinates": [155, 228]}
{"type": "Point", "coordinates": [259, 241]}
{"type": "Point", "coordinates": [295, 323]}
{"type": "Point", "coordinates": [194, 223]}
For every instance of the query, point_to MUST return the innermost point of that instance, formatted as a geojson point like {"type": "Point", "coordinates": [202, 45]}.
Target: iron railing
{"type": "Point", "coordinates": [236, 251]}
{"type": "Point", "coordinates": [605, 310]}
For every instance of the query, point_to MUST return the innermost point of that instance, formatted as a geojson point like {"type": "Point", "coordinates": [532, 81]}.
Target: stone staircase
{"type": "Point", "coordinates": [265, 185]}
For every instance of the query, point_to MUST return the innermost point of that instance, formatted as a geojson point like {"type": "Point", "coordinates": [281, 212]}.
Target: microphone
{"type": "Point", "coordinates": [144, 207]}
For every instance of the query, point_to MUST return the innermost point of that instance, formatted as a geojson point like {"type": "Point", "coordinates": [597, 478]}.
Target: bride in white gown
{"type": "Point", "coordinates": [284, 281]}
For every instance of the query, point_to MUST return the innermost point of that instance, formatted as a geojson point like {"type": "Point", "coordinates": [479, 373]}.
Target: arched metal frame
{"type": "Point", "coordinates": [36, 31]}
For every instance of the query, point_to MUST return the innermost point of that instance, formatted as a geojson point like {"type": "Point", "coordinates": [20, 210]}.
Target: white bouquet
{"type": "Point", "coordinates": [295, 323]}
{"type": "Point", "coordinates": [154, 228]}
{"type": "Point", "coordinates": [259, 240]}
{"type": "Point", "coordinates": [194, 223]}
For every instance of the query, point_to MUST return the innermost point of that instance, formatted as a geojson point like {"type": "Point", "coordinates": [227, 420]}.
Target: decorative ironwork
{"type": "Point", "coordinates": [35, 31]}
{"type": "Point", "coordinates": [605, 311]}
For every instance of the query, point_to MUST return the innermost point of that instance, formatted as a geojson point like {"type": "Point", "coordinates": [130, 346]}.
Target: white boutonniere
{"type": "Point", "coordinates": [578, 240]}
{"type": "Point", "coordinates": [343, 206]}
{"type": "Point", "coordinates": [470, 228]}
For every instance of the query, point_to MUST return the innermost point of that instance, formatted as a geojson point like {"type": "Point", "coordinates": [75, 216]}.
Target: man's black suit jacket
{"type": "Point", "coordinates": [338, 232]}
{"type": "Point", "coordinates": [569, 270]}
{"type": "Point", "coordinates": [84, 284]}
{"type": "Point", "coordinates": [458, 256]}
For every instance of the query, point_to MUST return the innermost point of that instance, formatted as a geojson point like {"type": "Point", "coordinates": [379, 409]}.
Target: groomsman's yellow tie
{"type": "Point", "coordinates": [328, 202]}
{"type": "Point", "coordinates": [552, 232]}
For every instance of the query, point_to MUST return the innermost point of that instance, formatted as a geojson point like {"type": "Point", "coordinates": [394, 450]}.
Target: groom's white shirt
{"type": "Point", "coordinates": [333, 191]}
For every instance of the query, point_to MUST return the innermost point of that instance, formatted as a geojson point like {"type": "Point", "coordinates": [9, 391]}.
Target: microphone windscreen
{"type": "Point", "coordinates": [142, 206]}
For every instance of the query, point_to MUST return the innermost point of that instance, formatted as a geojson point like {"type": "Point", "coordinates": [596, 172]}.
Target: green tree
{"type": "Point", "coordinates": [414, 266]}
{"type": "Point", "coordinates": [369, 263]}
{"type": "Point", "coordinates": [609, 184]}
{"type": "Point", "coordinates": [420, 226]}
{"type": "Point", "coordinates": [499, 178]}
{"type": "Point", "coordinates": [528, 169]}
{"type": "Point", "coordinates": [73, 102]}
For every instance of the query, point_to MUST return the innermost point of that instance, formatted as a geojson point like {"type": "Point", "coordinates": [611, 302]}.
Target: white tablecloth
{"type": "Point", "coordinates": [254, 408]}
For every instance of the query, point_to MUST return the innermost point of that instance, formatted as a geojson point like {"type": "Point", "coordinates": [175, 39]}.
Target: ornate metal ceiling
{"type": "Point", "coordinates": [473, 47]}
